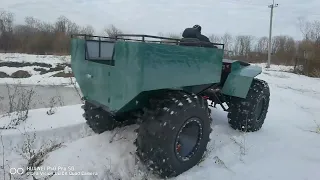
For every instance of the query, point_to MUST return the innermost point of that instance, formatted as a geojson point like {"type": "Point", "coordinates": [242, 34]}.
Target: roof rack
{"type": "Point", "coordinates": [140, 38]}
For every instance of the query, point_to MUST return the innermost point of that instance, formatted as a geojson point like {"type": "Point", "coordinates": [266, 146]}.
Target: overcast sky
{"type": "Point", "coordinates": [250, 17]}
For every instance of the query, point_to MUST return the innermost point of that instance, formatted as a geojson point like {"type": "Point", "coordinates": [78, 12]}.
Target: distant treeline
{"type": "Point", "coordinates": [38, 37]}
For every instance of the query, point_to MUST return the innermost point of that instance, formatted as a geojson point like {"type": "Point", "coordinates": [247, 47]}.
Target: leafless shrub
{"type": "Point", "coordinates": [140, 172]}
{"type": "Point", "coordinates": [242, 147]}
{"type": "Point", "coordinates": [12, 95]}
{"type": "Point", "coordinates": [74, 84]}
{"type": "Point", "coordinates": [54, 101]}
{"type": "Point", "coordinates": [206, 154]}
{"type": "Point", "coordinates": [35, 157]}
{"type": "Point", "coordinates": [3, 160]}
{"type": "Point", "coordinates": [117, 135]}
{"type": "Point", "coordinates": [316, 73]}
{"type": "Point", "coordinates": [109, 175]}
{"type": "Point", "coordinates": [219, 162]}
{"type": "Point", "coordinates": [2, 104]}
{"type": "Point", "coordinates": [2, 166]}
{"type": "Point", "coordinates": [317, 127]}
{"type": "Point", "coordinates": [19, 104]}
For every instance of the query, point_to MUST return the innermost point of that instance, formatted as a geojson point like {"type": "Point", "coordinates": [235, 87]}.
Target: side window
{"type": "Point", "coordinates": [100, 51]}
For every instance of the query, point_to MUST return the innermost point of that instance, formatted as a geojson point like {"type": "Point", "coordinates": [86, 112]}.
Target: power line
{"type": "Point", "coordinates": [291, 7]}
{"type": "Point", "coordinates": [272, 6]}
{"type": "Point", "coordinates": [243, 2]}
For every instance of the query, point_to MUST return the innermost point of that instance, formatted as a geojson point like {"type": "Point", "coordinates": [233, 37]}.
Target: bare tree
{"type": "Point", "coordinates": [262, 45]}
{"type": "Point", "coordinates": [175, 35]}
{"type": "Point", "coordinates": [309, 30]}
{"type": "Point", "coordinates": [112, 31]}
{"type": "Point", "coordinates": [61, 24]}
{"type": "Point", "coordinates": [243, 45]}
{"type": "Point", "coordinates": [39, 37]}
{"type": "Point", "coordinates": [6, 30]}
{"type": "Point", "coordinates": [31, 22]}
{"type": "Point", "coordinates": [87, 30]}
{"type": "Point", "coordinates": [6, 22]}
{"type": "Point", "coordinates": [215, 38]}
{"type": "Point", "coordinates": [226, 39]}
{"type": "Point", "coordinates": [283, 48]}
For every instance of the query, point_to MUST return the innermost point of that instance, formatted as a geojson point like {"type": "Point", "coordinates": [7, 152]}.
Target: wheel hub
{"type": "Point", "coordinates": [188, 139]}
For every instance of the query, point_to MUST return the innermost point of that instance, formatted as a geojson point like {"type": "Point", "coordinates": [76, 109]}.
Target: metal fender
{"type": "Point", "coordinates": [239, 81]}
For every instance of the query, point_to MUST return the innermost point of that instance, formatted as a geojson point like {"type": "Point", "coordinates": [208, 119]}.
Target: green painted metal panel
{"type": "Point", "coordinates": [111, 86]}
{"type": "Point", "coordinates": [239, 81]}
{"type": "Point", "coordinates": [167, 66]}
{"type": "Point", "coordinates": [142, 67]}
{"type": "Point", "coordinates": [235, 66]}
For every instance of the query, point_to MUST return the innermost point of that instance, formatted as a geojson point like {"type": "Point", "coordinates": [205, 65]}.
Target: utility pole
{"type": "Point", "coordinates": [270, 32]}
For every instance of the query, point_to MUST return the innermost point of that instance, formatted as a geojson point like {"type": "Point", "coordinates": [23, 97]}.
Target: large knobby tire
{"type": "Point", "coordinates": [98, 119]}
{"type": "Point", "coordinates": [162, 143]}
{"type": "Point", "coordinates": [248, 115]}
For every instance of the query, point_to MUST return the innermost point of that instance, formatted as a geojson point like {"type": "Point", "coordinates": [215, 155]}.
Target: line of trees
{"type": "Point", "coordinates": [38, 37]}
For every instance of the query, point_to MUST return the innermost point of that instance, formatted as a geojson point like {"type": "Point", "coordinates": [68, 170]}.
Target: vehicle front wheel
{"type": "Point", "coordinates": [174, 134]}
{"type": "Point", "coordinates": [249, 114]}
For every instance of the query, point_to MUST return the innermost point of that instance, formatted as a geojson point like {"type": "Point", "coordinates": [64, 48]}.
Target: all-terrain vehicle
{"type": "Point", "coordinates": [165, 85]}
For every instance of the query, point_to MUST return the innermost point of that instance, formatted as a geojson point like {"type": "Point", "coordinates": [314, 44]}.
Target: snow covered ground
{"type": "Point", "coordinates": [287, 147]}
{"type": "Point", "coordinates": [48, 59]}
{"type": "Point", "coordinates": [37, 78]}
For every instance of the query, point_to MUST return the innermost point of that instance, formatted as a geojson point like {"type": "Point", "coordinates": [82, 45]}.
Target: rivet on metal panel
{"type": "Point", "coordinates": [89, 76]}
